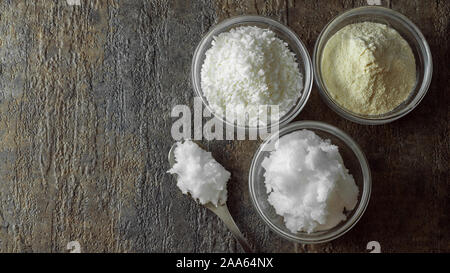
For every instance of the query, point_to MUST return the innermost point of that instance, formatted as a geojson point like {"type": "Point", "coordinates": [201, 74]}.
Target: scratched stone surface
{"type": "Point", "coordinates": [85, 99]}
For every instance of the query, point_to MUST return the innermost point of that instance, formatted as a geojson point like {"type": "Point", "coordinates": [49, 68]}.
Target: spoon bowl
{"type": "Point", "coordinates": [221, 210]}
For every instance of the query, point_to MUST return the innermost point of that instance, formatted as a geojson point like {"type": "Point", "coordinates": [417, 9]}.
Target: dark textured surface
{"type": "Point", "coordinates": [85, 99]}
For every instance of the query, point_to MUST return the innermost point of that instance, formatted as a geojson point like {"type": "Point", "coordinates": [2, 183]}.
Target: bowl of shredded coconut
{"type": "Point", "coordinates": [372, 65]}
{"type": "Point", "coordinates": [252, 71]}
{"type": "Point", "coordinates": [310, 183]}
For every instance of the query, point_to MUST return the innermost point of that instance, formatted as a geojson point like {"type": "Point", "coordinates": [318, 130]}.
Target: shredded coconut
{"type": "Point", "coordinates": [307, 182]}
{"type": "Point", "coordinates": [199, 174]}
{"type": "Point", "coordinates": [368, 68]}
{"type": "Point", "coordinates": [248, 67]}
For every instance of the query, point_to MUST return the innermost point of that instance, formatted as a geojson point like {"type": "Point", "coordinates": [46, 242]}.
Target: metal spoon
{"type": "Point", "coordinates": [221, 211]}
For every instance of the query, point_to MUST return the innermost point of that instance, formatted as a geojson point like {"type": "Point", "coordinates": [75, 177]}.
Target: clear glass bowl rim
{"type": "Point", "coordinates": [425, 52]}
{"type": "Point", "coordinates": [365, 194]}
{"type": "Point", "coordinates": [305, 61]}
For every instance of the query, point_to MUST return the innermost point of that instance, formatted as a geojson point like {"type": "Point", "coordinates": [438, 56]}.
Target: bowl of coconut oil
{"type": "Point", "coordinates": [310, 183]}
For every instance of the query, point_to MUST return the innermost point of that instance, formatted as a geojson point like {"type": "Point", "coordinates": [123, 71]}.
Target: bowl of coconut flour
{"type": "Point", "coordinates": [247, 63]}
{"type": "Point", "coordinates": [372, 65]}
{"type": "Point", "coordinates": [310, 183]}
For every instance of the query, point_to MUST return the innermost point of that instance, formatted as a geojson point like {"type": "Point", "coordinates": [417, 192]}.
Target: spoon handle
{"type": "Point", "coordinates": [224, 214]}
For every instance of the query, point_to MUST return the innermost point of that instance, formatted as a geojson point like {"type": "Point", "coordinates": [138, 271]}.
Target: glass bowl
{"type": "Point", "coordinates": [408, 31]}
{"type": "Point", "coordinates": [354, 161]}
{"type": "Point", "coordinates": [282, 32]}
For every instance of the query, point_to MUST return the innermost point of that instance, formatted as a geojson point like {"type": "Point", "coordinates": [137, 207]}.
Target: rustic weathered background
{"type": "Point", "coordinates": [85, 99]}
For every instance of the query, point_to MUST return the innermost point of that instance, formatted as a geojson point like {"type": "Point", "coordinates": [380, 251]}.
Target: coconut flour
{"type": "Point", "coordinates": [368, 68]}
